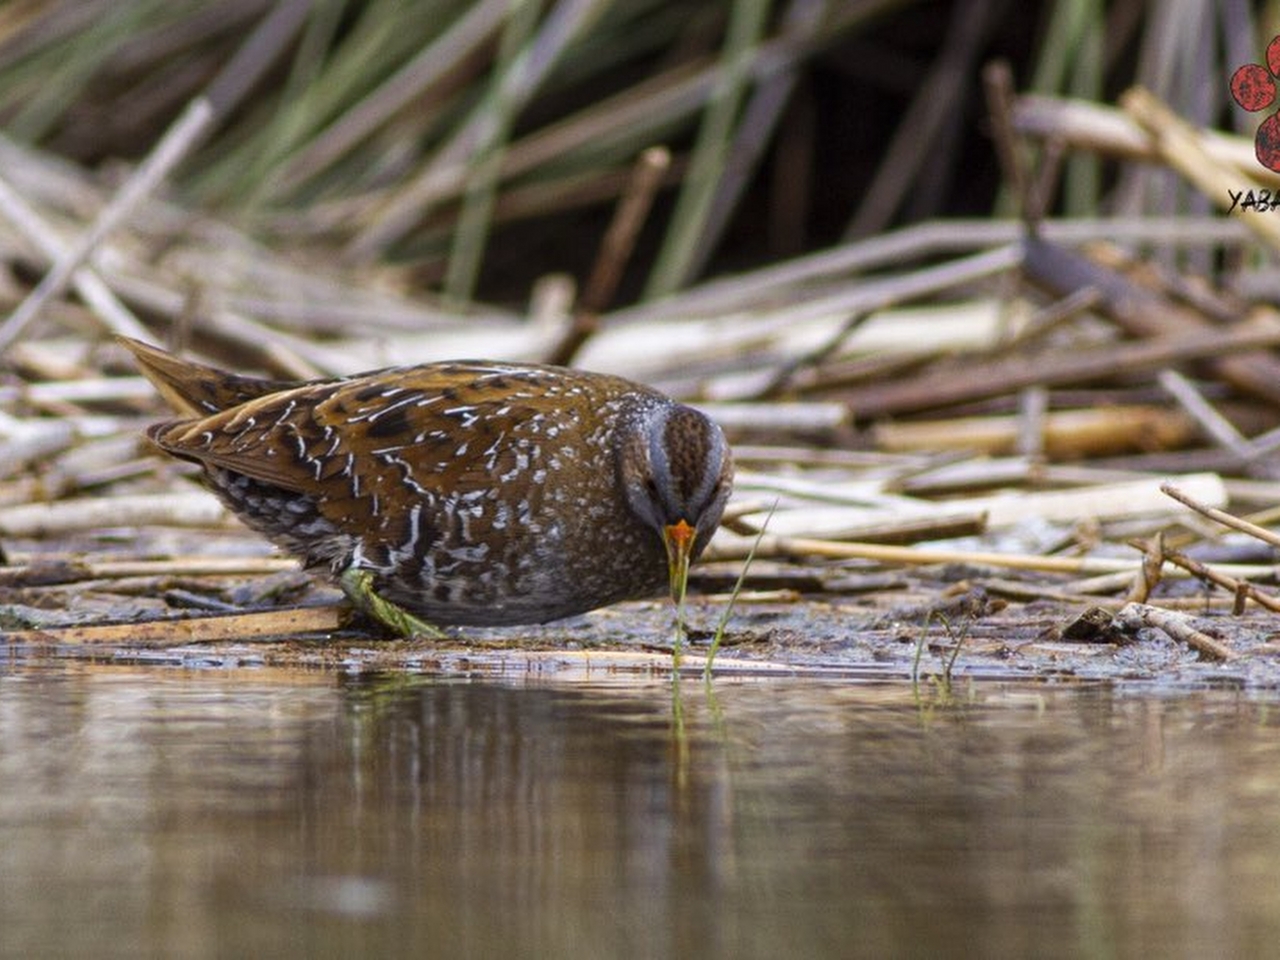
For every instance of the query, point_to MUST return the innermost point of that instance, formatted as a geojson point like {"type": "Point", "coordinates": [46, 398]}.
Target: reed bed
{"type": "Point", "coordinates": [1044, 380]}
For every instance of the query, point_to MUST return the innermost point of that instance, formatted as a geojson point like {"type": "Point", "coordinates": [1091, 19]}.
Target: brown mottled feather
{"type": "Point", "coordinates": [475, 492]}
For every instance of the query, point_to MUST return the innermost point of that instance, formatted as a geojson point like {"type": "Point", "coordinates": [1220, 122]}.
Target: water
{"type": "Point", "coordinates": [200, 813]}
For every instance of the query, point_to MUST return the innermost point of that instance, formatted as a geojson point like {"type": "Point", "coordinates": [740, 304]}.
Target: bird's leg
{"type": "Point", "coordinates": [357, 584]}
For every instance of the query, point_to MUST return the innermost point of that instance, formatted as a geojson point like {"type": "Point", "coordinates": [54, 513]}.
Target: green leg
{"type": "Point", "coordinates": [357, 584]}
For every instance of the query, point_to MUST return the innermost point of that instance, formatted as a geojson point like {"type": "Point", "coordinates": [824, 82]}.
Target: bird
{"type": "Point", "coordinates": [457, 493]}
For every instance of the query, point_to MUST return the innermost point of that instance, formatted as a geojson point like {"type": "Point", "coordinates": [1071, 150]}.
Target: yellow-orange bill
{"type": "Point", "coordinates": [678, 539]}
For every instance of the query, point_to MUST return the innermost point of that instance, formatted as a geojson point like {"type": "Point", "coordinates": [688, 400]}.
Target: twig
{"type": "Point", "coordinates": [1241, 588]}
{"type": "Point", "coordinates": [1221, 516]}
{"type": "Point", "coordinates": [1090, 126]}
{"type": "Point", "coordinates": [615, 250]}
{"type": "Point", "coordinates": [1134, 616]}
{"type": "Point", "coordinates": [1148, 576]}
{"type": "Point", "coordinates": [815, 417]}
{"type": "Point", "coordinates": [997, 84]}
{"type": "Point", "coordinates": [774, 546]}
{"type": "Point", "coordinates": [781, 379]}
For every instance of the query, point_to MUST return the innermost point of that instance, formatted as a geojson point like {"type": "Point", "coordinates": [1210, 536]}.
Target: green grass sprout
{"type": "Point", "coordinates": [733, 596]}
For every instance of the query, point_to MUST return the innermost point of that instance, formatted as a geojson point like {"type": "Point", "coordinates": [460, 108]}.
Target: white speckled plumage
{"type": "Point", "coordinates": [473, 492]}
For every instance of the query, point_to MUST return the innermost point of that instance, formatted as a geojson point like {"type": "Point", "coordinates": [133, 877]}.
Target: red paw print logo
{"type": "Point", "coordinates": [1253, 86]}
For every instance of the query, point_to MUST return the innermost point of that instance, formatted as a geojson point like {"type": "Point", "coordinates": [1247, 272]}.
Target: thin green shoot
{"type": "Point", "coordinates": [677, 642]}
{"type": "Point", "coordinates": [733, 597]}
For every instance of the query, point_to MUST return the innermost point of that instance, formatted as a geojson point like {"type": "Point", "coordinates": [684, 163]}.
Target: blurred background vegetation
{"type": "Point", "coordinates": [480, 145]}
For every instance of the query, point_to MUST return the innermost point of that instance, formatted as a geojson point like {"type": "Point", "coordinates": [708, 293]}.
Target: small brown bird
{"type": "Point", "coordinates": [471, 493]}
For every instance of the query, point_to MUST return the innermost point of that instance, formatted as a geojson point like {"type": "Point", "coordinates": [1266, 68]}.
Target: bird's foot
{"type": "Point", "coordinates": [357, 584]}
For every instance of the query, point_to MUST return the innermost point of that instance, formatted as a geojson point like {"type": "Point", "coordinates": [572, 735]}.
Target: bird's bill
{"type": "Point", "coordinates": [678, 539]}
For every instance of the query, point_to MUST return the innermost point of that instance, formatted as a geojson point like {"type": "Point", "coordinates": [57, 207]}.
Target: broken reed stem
{"type": "Point", "coordinates": [615, 250]}
{"type": "Point", "coordinates": [1241, 588]}
{"type": "Point", "coordinates": [176, 633]}
{"type": "Point", "coordinates": [114, 315]}
{"type": "Point", "coordinates": [1221, 516]}
{"type": "Point", "coordinates": [195, 509]}
{"type": "Point", "coordinates": [1134, 616]}
{"type": "Point", "coordinates": [49, 572]}
{"type": "Point", "coordinates": [775, 546]}
{"type": "Point", "coordinates": [997, 85]}
{"type": "Point", "coordinates": [1148, 576]}
{"type": "Point", "coordinates": [1217, 427]}
{"type": "Point", "coordinates": [1184, 148]}
{"type": "Point", "coordinates": [185, 133]}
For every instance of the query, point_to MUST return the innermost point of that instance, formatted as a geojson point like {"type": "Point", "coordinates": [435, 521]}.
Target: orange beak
{"type": "Point", "coordinates": [678, 539]}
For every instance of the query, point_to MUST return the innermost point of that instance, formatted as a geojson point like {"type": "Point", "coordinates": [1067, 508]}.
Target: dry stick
{"type": "Point", "coordinates": [775, 546]}
{"type": "Point", "coordinates": [1221, 516]}
{"type": "Point", "coordinates": [1050, 317]}
{"type": "Point", "coordinates": [1148, 313]}
{"type": "Point", "coordinates": [782, 379]}
{"type": "Point", "coordinates": [175, 633]}
{"type": "Point", "coordinates": [615, 250]}
{"type": "Point", "coordinates": [1241, 588]}
{"type": "Point", "coordinates": [48, 572]}
{"type": "Point", "coordinates": [1045, 185]}
{"type": "Point", "coordinates": [196, 508]}
{"type": "Point", "coordinates": [1148, 575]}
{"type": "Point", "coordinates": [1032, 427]}
{"type": "Point", "coordinates": [1065, 434]}
{"type": "Point", "coordinates": [1102, 129]}
{"type": "Point", "coordinates": [915, 244]}
{"type": "Point", "coordinates": [1218, 427]}
{"type": "Point", "coordinates": [193, 124]}
{"type": "Point", "coordinates": [184, 135]}
{"type": "Point", "coordinates": [997, 83]}
{"type": "Point", "coordinates": [978, 381]}
{"type": "Point", "coordinates": [114, 315]}
{"type": "Point", "coordinates": [1183, 147]}
{"type": "Point", "coordinates": [177, 142]}
{"type": "Point", "coordinates": [1241, 598]}
{"type": "Point", "coordinates": [87, 390]}
{"type": "Point", "coordinates": [1136, 615]}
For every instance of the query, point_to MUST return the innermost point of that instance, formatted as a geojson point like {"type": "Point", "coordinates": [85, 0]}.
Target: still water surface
{"type": "Point", "coordinates": [189, 813]}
